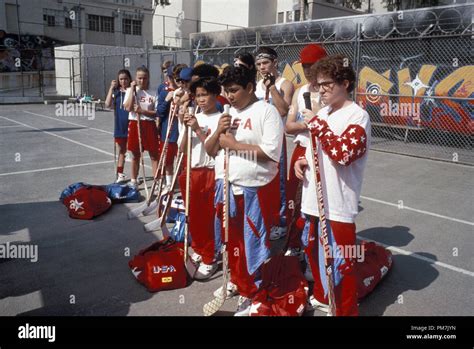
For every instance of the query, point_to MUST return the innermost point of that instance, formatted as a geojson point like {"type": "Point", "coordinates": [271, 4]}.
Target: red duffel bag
{"type": "Point", "coordinates": [87, 202]}
{"type": "Point", "coordinates": [160, 266]}
{"type": "Point", "coordinates": [376, 264]}
{"type": "Point", "coordinates": [283, 291]}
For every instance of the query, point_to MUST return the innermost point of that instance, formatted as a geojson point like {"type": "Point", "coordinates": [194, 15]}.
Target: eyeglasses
{"type": "Point", "coordinates": [326, 85]}
{"type": "Point", "coordinates": [179, 80]}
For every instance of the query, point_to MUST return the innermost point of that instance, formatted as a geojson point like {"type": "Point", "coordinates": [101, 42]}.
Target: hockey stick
{"type": "Point", "coordinates": [188, 185]}
{"type": "Point", "coordinates": [141, 146]}
{"type": "Point", "coordinates": [148, 206]}
{"type": "Point", "coordinates": [113, 138]}
{"type": "Point", "coordinates": [213, 306]}
{"type": "Point", "coordinates": [161, 221]}
{"type": "Point", "coordinates": [322, 216]}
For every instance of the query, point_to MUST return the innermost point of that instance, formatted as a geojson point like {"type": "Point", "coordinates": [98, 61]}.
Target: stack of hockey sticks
{"type": "Point", "coordinates": [148, 206]}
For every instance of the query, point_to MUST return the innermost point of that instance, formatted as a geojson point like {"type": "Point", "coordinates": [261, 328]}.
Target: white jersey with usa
{"type": "Point", "coordinates": [258, 124]}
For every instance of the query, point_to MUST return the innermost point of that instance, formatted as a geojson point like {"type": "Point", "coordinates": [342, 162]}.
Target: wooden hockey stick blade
{"type": "Point", "coordinates": [135, 213]}
{"type": "Point", "coordinates": [153, 225]}
{"type": "Point", "coordinates": [213, 306]}
{"type": "Point", "coordinates": [191, 268]}
{"type": "Point", "coordinates": [150, 209]}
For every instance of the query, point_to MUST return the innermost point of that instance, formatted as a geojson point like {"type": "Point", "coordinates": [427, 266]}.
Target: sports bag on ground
{"type": "Point", "coordinates": [160, 266]}
{"type": "Point", "coordinates": [85, 201]}
{"type": "Point", "coordinates": [284, 289]}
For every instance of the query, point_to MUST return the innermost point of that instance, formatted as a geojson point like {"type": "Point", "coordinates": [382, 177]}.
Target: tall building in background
{"type": "Point", "coordinates": [101, 22]}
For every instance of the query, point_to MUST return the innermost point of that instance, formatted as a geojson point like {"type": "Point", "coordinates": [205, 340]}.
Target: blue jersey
{"type": "Point", "coordinates": [121, 115]}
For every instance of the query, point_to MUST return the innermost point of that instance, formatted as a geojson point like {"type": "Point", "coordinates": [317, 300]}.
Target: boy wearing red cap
{"type": "Point", "coordinates": [309, 55]}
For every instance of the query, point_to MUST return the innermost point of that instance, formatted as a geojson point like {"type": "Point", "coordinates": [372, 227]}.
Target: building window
{"type": "Point", "coordinates": [68, 22]}
{"type": "Point", "coordinates": [281, 17]}
{"type": "Point", "coordinates": [94, 23]}
{"type": "Point", "coordinates": [127, 26]}
{"type": "Point", "coordinates": [101, 24]}
{"type": "Point", "coordinates": [106, 24]}
{"type": "Point", "coordinates": [49, 20]}
{"type": "Point", "coordinates": [289, 16]}
{"type": "Point", "coordinates": [132, 27]}
{"type": "Point", "coordinates": [137, 27]}
{"type": "Point", "coordinates": [297, 15]}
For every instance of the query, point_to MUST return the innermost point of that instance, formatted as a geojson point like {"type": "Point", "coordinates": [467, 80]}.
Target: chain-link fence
{"type": "Point", "coordinates": [415, 74]}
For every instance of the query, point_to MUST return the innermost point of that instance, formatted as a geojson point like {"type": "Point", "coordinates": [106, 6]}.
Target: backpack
{"type": "Point", "coordinates": [160, 266]}
{"type": "Point", "coordinates": [284, 289]}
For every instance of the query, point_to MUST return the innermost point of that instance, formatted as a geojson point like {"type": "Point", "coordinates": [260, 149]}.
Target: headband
{"type": "Point", "coordinates": [265, 55]}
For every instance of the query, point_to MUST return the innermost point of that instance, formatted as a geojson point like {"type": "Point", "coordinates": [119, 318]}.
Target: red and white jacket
{"type": "Point", "coordinates": [343, 139]}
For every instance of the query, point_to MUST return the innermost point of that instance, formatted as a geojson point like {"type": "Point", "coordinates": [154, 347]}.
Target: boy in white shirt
{"type": "Point", "coordinates": [253, 135]}
{"type": "Point", "coordinates": [342, 132]}
{"type": "Point", "coordinates": [201, 205]}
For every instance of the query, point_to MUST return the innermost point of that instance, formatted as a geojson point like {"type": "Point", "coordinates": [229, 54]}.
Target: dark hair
{"type": "Point", "coordinates": [336, 67]}
{"type": "Point", "coordinates": [177, 69]}
{"type": "Point", "coordinates": [238, 75]}
{"type": "Point", "coordinates": [143, 69]}
{"type": "Point", "coordinates": [208, 83]}
{"type": "Point", "coordinates": [266, 50]}
{"type": "Point", "coordinates": [248, 59]}
{"type": "Point", "coordinates": [166, 64]}
{"type": "Point", "coordinates": [204, 70]}
{"type": "Point", "coordinates": [123, 71]}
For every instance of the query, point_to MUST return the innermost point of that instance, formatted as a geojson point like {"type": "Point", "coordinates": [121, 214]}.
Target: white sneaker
{"type": "Point", "coordinates": [295, 252]}
{"type": "Point", "coordinates": [314, 304]}
{"type": "Point", "coordinates": [277, 233]}
{"type": "Point", "coordinates": [121, 178]}
{"type": "Point", "coordinates": [166, 189]}
{"type": "Point", "coordinates": [308, 275]}
{"type": "Point", "coordinates": [196, 258]}
{"type": "Point", "coordinates": [205, 271]}
{"type": "Point", "coordinates": [243, 306]}
{"type": "Point", "coordinates": [133, 184]}
{"type": "Point", "coordinates": [231, 291]}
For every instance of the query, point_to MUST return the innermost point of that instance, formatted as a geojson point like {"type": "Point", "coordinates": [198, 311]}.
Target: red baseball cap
{"type": "Point", "coordinates": [312, 53]}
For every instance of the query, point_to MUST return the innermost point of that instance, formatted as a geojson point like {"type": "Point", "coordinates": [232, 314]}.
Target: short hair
{"type": "Point", "coordinates": [177, 69]}
{"type": "Point", "coordinates": [209, 83]}
{"type": "Point", "coordinates": [143, 69]}
{"type": "Point", "coordinates": [336, 67]}
{"type": "Point", "coordinates": [204, 70]}
{"type": "Point", "coordinates": [238, 75]}
{"type": "Point", "coordinates": [266, 52]}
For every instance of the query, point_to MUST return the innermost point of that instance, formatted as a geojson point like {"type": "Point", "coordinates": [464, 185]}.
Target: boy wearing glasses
{"type": "Point", "coordinates": [342, 132]}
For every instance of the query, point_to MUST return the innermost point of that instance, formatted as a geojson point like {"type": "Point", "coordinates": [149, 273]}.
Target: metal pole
{"type": "Point", "coordinates": [103, 74]}
{"type": "Point", "coordinates": [19, 46]}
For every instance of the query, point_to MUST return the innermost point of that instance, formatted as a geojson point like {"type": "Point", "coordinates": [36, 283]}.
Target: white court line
{"type": "Point", "coordinates": [56, 168]}
{"type": "Point", "coordinates": [68, 122]}
{"type": "Point", "coordinates": [64, 138]}
{"type": "Point", "coordinates": [419, 211]}
{"type": "Point", "coordinates": [420, 257]}
{"type": "Point", "coordinates": [61, 137]}
{"type": "Point", "coordinates": [10, 126]}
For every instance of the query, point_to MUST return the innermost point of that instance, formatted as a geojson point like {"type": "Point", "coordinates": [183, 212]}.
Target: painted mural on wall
{"type": "Point", "coordinates": [30, 52]}
{"type": "Point", "coordinates": [417, 88]}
